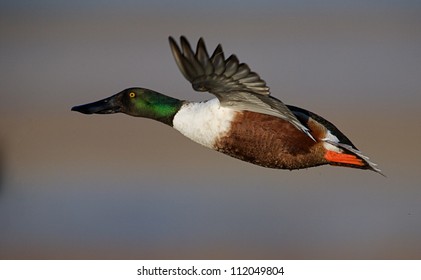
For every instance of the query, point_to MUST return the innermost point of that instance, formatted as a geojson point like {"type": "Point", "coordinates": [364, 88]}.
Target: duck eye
{"type": "Point", "coordinates": [132, 94]}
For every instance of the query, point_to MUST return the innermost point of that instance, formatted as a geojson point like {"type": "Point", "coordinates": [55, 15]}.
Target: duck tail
{"type": "Point", "coordinates": [349, 156]}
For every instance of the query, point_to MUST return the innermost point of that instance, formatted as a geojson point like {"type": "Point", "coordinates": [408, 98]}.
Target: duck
{"type": "Point", "coordinates": [243, 121]}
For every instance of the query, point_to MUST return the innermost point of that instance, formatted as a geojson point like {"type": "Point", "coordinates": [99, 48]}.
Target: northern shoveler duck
{"type": "Point", "coordinates": [243, 121]}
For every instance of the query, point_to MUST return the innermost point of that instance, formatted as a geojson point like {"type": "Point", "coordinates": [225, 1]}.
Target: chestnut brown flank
{"type": "Point", "coordinates": [272, 142]}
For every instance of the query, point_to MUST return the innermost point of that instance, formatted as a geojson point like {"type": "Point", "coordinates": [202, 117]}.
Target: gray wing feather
{"type": "Point", "coordinates": [357, 152]}
{"type": "Point", "coordinates": [243, 100]}
{"type": "Point", "coordinates": [232, 82]}
{"type": "Point", "coordinates": [215, 73]}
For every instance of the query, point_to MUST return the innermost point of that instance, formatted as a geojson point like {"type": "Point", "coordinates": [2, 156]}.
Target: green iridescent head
{"type": "Point", "coordinates": [137, 102]}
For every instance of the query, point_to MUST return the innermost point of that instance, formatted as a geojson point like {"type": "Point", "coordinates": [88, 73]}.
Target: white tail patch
{"type": "Point", "coordinates": [330, 142]}
{"type": "Point", "coordinates": [340, 146]}
{"type": "Point", "coordinates": [204, 122]}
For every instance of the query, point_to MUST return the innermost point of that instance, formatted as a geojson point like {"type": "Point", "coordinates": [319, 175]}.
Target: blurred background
{"type": "Point", "coordinates": [74, 186]}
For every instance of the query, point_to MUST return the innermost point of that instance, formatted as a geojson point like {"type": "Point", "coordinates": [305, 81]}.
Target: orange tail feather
{"type": "Point", "coordinates": [335, 157]}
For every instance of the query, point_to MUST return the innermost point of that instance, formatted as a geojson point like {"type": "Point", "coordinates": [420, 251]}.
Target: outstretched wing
{"type": "Point", "coordinates": [229, 80]}
{"type": "Point", "coordinates": [215, 74]}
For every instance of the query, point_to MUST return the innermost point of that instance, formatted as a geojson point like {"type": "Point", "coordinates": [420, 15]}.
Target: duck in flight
{"type": "Point", "coordinates": [243, 121]}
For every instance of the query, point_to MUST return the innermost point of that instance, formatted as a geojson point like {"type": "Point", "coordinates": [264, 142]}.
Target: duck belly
{"type": "Point", "coordinates": [270, 142]}
{"type": "Point", "coordinates": [257, 138]}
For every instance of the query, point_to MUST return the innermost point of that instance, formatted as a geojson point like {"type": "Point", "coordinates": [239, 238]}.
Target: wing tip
{"type": "Point", "coordinates": [194, 65]}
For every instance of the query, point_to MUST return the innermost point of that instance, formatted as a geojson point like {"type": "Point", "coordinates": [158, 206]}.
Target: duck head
{"type": "Point", "coordinates": [137, 102]}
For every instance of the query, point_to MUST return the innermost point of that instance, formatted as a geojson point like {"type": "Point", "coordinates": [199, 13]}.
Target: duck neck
{"type": "Point", "coordinates": [163, 108]}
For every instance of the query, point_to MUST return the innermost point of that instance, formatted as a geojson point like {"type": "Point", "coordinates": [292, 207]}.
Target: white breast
{"type": "Point", "coordinates": [203, 122]}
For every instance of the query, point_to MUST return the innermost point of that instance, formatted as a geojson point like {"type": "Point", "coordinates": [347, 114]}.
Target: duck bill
{"type": "Point", "coordinates": [108, 105]}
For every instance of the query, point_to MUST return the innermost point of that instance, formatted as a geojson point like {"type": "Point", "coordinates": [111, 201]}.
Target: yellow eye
{"type": "Point", "coordinates": [132, 94]}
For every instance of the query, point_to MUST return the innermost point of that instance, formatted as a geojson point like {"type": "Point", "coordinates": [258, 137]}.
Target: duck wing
{"type": "Point", "coordinates": [232, 82]}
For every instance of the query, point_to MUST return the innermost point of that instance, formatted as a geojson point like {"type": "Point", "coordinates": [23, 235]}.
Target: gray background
{"type": "Point", "coordinates": [77, 186]}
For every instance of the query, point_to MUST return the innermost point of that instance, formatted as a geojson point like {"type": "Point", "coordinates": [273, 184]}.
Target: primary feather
{"type": "Point", "coordinates": [232, 82]}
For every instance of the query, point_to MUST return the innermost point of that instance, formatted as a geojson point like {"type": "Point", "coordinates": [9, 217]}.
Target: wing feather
{"type": "Point", "coordinates": [232, 82]}
{"type": "Point", "coordinates": [215, 73]}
